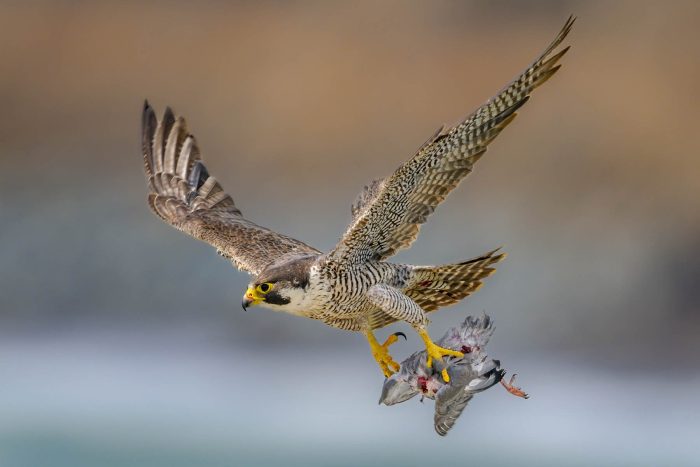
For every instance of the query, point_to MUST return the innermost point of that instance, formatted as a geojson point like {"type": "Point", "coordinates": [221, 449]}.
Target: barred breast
{"type": "Point", "coordinates": [340, 291]}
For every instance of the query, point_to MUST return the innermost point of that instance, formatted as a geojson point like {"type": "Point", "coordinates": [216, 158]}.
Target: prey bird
{"type": "Point", "coordinates": [470, 374]}
{"type": "Point", "coordinates": [353, 286]}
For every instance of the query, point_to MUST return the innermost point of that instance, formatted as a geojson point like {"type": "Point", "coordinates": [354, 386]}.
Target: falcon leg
{"type": "Point", "coordinates": [380, 352]}
{"type": "Point", "coordinates": [515, 390]}
{"type": "Point", "coordinates": [436, 352]}
{"type": "Point", "coordinates": [399, 306]}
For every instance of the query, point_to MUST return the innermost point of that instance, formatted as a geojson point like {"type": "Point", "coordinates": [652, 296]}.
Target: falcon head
{"type": "Point", "coordinates": [280, 286]}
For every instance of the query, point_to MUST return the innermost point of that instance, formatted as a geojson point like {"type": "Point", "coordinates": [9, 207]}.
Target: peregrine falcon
{"type": "Point", "coordinates": [353, 286]}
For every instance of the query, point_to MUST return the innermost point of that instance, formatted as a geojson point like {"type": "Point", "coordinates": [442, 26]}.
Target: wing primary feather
{"type": "Point", "coordinates": [174, 141]}
{"type": "Point", "coordinates": [148, 126]}
{"type": "Point", "coordinates": [159, 138]}
{"type": "Point", "coordinates": [183, 160]}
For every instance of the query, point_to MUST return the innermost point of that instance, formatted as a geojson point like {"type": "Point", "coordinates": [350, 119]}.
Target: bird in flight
{"type": "Point", "coordinates": [353, 286]}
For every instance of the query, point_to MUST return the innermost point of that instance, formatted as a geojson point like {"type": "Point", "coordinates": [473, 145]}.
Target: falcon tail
{"type": "Point", "coordinates": [433, 287]}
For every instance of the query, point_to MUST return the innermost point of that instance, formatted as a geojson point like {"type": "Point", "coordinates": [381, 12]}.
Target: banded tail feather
{"type": "Point", "coordinates": [434, 287]}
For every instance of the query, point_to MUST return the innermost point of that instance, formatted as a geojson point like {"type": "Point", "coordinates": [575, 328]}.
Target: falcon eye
{"type": "Point", "coordinates": [265, 287]}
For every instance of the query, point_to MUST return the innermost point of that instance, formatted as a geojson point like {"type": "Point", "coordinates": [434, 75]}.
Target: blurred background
{"type": "Point", "coordinates": [123, 343]}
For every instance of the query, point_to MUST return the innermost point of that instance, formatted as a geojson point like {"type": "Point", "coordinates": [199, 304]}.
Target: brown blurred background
{"type": "Point", "coordinates": [122, 341]}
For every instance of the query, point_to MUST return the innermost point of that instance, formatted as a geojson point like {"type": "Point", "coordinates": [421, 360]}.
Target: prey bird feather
{"type": "Point", "coordinates": [353, 286]}
{"type": "Point", "coordinates": [470, 374]}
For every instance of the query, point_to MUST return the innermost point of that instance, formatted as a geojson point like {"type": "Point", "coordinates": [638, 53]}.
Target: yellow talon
{"type": "Point", "coordinates": [437, 352]}
{"type": "Point", "coordinates": [380, 352]}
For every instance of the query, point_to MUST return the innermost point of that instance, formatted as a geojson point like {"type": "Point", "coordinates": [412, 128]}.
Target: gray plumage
{"type": "Point", "coordinates": [352, 287]}
{"type": "Point", "coordinates": [470, 374]}
{"type": "Point", "coordinates": [453, 397]}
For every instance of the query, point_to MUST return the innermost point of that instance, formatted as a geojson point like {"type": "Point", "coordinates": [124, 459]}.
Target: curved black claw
{"type": "Point", "coordinates": [399, 333]}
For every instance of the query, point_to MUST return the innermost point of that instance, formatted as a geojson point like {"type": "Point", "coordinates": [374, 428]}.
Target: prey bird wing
{"type": "Point", "coordinates": [466, 380]}
{"type": "Point", "coordinates": [452, 399]}
{"type": "Point", "coordinates": [388, 213]}
{"type": "Point", "coordinates": [183, 194]}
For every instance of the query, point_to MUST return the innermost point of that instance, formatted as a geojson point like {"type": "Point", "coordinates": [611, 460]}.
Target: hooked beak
{"type": "Point", "coordinates": [250, 298]}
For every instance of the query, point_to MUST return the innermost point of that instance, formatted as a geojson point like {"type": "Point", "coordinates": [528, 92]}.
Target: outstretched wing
{"type": "Point", "coordinates": [388, 213]}
{"type": "Point", "coordinates": [452, 399]}
{"type": "Point", "coordinates": [183, 194]}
